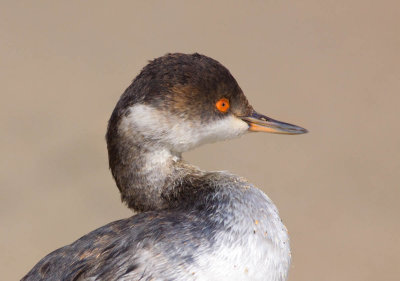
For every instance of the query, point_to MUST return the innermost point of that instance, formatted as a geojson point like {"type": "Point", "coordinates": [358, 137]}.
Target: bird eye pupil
{"type": "Point", "coordinates": [222, 105]}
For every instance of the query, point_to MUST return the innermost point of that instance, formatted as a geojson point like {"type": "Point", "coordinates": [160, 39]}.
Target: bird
{"type": "Point", "coordinates": [190, 224]}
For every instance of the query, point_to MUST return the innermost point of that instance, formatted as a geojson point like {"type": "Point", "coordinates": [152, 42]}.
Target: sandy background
{"type": "Point", "coordinates": [330, 66]}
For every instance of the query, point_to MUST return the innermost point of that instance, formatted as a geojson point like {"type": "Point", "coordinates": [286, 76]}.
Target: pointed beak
{"type": "Point", "coordinates": [261, 123]}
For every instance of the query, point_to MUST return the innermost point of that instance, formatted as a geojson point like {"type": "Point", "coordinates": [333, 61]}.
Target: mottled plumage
{"type": "Point", "coordinates": [192, 224]}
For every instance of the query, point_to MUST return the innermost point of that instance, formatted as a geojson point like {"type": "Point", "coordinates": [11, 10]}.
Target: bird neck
{"type": "Point", "coordinates": [148, 175]}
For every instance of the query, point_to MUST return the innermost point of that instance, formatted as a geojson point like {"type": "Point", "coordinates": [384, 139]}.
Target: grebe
{"type": "Point", "coordinates": [191, 224]}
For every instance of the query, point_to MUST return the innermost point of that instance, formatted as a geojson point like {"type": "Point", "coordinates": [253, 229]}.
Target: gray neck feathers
{"type": "Point", "coordinates": [149, 176]}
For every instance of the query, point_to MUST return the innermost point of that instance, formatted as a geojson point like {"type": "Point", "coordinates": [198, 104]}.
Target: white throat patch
{"type": "Point", "coordinates": [181, 135]}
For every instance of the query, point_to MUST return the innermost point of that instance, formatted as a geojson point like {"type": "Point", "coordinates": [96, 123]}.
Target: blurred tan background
{"type": "Point", "coordinates": [330, 66]}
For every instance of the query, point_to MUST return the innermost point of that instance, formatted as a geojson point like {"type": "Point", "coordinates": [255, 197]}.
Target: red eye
{"type": "Point", "coordinates": [222, 105]}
